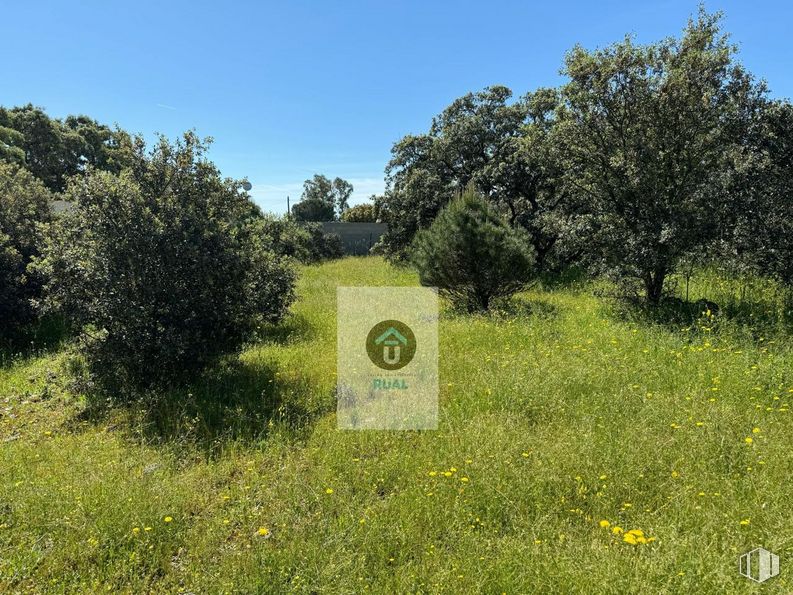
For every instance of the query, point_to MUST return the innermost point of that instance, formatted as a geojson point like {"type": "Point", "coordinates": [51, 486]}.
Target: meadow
{"type": "Point", "coordinates": [580, 449]}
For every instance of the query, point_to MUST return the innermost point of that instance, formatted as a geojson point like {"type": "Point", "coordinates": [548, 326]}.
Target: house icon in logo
{"type": "Point", "coordinates": [392, 341]}
{"type": "Point", "coordinates": [758, 565]}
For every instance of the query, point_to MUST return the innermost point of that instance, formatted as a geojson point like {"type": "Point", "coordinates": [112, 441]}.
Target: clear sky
{"type": "Point", "coordinates": [291, 88]}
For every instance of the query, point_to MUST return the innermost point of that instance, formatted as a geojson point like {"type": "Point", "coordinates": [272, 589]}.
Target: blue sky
{"type": "Point", "coordinates": [291, 88]}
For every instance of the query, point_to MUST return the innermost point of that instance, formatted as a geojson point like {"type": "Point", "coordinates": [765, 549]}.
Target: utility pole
{"type": "Point", "coordinates": [288, 210]}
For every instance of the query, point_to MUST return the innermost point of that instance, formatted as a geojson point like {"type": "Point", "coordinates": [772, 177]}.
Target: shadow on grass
{"type": "Point", "coordinates": [233, 401]}
{"type": "Point", "coordinates": [756, 318]}
{"type": "Point", "coordinates": [521, 306]}
{"type": "Point", "coordinates": [294, 329]}
{"type": "Point", "coordinates": [572, 277]}
{"type": "Point", "coordinates": [673, 312]}
{"type": "Point", "coordinates": [761, 315]}
{"type": "Point", "coordinates": [515, 307]}
{"type": "Point", "coordinates": [43, 336]}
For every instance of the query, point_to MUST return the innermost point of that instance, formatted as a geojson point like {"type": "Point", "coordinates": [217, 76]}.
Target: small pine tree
{"type": "Point", "coordinates": [472, 255]}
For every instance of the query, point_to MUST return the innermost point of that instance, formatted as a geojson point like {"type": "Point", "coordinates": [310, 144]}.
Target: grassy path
{"type": "Point", "coordinates": [554, 421]}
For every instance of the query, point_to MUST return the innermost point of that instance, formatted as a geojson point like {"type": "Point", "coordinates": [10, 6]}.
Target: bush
{"type": "Point", "coordinates": [24, 206]}
{"type": "Point", "coordinates": [363, 213]}
{"type": "Point", "coordinates": [305, 242]}
{"type": "Point", "coordinates": [323, 246]}
{"type": "Point", "coordinates": [159, 269]}
{"type": "Point", "coordinates": [472, 254]}
{"type": "Point", "coordinates": [285, 237]}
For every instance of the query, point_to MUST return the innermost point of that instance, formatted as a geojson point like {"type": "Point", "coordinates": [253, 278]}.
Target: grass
{"type": "Point", "coordinates": [555, 416]}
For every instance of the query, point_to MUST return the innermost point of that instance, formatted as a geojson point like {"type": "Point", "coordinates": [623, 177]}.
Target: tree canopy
{"type": "Point", "coordinates": [501, 147]}
{"type": "Point", "coordinates": [53, 149]}
{"type": "Point", "coordinates": [323, 199]}
{"type": "Point", "coordinates": [649, 136]}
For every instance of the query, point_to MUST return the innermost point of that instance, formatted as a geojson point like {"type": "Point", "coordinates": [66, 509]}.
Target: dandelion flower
{"type": "Point", "coordinates": [616, 530]}
{"type": "Point", "coordinates": [745, 522]}
{"type": "Point", "coordinates": [748, 440]}
{"type": "Point", "coordinates": [328, 491]}
{"type": "Point", "coordinates": [263, 532]}
{"type": "Point", "coordinates": [168, 519]}
{"type": "Point", "coordinates": [605, 524]}
{"type": "Point", "coordinates": [135, 530]}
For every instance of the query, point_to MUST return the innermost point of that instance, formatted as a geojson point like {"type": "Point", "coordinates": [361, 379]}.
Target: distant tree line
{"type": "Point", "coordinates": [647, 155]}
{"type": "Point", "coordinates": [324, 199]}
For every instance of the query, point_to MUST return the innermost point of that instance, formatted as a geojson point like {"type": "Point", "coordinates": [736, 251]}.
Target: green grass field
{"type": "Point", "coordinates": [562, 428]}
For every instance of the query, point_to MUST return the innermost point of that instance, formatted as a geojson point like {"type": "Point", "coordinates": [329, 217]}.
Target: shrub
{"type": "Point", "coordinates": [285, 237]}
{"type": "Point", "coordinates": [363, 213]}
{"type": "Point", "coordinates": [472, 254]}
{"type": "Point", "coordinates": [158, 268]}
{"type": "Point", "coordinates": [323, 246]}
{"type": "Point", "coordinates": [305, 242]}
{"type": "Point", "coordinates": [24, 206]}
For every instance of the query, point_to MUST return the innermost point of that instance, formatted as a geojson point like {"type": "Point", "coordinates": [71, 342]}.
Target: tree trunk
{"type": "Point", "coordinates": [654, 285]}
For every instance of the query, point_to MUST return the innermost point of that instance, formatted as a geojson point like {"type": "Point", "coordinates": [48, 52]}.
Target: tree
{"type": "Point", "coordinates": [472, 254]}
{"type": "Point", "coordinates": [53, 149]}
{"type": "Point", "coordinates": [323, 199]}
{"type": "Point", "coordinates": [362, 213]}
{"type": "Point", "coordinates": [24, 207]}
{"type": "Point", "coordinates": [313, 210]}
{"type": "Point", "coordinates": [160, 268]}
{"type": "Point", "coordinates": [763, 237]}
{"type": "Point", "coordinates": [502, 148]}
{"type": "Point", "coordinates": [650, 134]}
{"type": "Point", "coordinates": [10, 145]}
